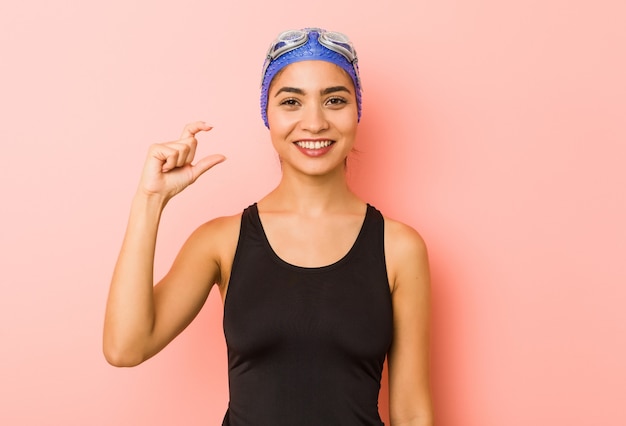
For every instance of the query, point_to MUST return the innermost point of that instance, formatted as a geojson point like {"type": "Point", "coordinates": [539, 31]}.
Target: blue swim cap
{"type": "Point", "coordinates": [312, 50]}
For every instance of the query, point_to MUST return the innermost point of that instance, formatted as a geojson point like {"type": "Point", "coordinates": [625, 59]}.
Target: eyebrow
{"type": "Point", "coordinates": [326, 91]}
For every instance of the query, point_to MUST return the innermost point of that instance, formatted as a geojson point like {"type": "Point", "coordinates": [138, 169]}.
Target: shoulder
{"type": "Point", "coordinates": [406, 253]}
{"type": "Point", "coordinates": [220, 227]}
{"type": "Point", "coordinates": [218, 235]}
{"type": "Point", "coordinates": [402, 241]}
{"type": "Point", "coordinates": [214, 241]}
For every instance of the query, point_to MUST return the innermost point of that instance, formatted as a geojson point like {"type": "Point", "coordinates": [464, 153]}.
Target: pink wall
{"type": "Point", "coordinates": [496, 129]}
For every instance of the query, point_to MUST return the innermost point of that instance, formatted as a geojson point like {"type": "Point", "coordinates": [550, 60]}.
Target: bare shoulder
{"type": "Point", "coordinates": [221, 227]}
{"type": "Point", "coordinates": [405, 252]}
{"type": "Point", "coordinates": [402, 242]}
{"type": "Point", "coordinates": [214, 243]}
{"type": "Point", "coordinates": [220, 234]}
{"type": "Point", "coordinates": [402, 236]}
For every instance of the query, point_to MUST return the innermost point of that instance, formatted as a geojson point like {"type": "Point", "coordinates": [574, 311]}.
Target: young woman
{"type": "Point", "coordinates": [318, 287]}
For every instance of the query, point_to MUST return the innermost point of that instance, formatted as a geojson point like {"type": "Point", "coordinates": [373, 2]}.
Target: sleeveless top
{"type": "Point", "coordinates": [306, 346]}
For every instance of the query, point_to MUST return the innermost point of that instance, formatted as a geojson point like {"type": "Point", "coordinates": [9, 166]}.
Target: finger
{"type": "Point", "coordinates": [189, 151]}
{"type": "Point", "coordinates": [170, 159]}
{"type": "Point", "coordinates": [186, 151]}
{"type": "Point", "coordinates": [192, 128]}
{"type": "Point", "coordinates": [162, 153]}
{"type": "Point", "coordinates": [205, 164]}
{"type": "Point", "coordinates": [183, 152]}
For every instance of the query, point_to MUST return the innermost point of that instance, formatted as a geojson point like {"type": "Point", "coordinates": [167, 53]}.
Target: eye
{"type": "Point", "coordinates": [290, 102]}
{"type": "Point", "coordinates": [336, 101]}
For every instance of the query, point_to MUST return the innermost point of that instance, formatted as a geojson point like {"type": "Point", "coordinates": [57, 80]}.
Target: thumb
{"type": "Point", "coordinates": [205, 164]}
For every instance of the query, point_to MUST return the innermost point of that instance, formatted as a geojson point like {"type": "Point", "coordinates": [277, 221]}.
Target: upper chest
{"type": "Point", "coordinates": [311, 241]}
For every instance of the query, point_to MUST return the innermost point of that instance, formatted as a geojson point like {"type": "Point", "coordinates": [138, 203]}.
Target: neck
{"type": "Point", "coordinates": [311, 195]}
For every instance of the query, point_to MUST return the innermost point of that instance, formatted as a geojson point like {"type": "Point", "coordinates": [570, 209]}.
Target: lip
{"type": "Point", "coordinates": [311, 151]}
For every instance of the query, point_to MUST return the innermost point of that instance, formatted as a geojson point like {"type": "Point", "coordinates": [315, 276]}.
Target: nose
{"type": "Point", "coordinates": [314, 118]}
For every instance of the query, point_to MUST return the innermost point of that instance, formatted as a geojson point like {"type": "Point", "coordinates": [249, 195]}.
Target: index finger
{"type": "Point", "coordinates": [192, 128]}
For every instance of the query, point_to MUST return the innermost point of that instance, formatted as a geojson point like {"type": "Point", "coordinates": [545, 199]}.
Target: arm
{"type": "Point", "coordinates": [141, 319]}
{"type": "Point", "coordinates": [409, 390]}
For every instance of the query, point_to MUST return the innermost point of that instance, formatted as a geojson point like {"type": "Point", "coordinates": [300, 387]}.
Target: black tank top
{"type": "Point", "coordinates": [306, 346]}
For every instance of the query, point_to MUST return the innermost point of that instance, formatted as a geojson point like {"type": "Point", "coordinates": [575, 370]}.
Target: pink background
{"type": "Point", "coordinates": [497, 129]}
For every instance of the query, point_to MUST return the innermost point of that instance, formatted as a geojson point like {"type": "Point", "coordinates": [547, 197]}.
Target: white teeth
{"type": "Point", "coordinates": [313, 144]}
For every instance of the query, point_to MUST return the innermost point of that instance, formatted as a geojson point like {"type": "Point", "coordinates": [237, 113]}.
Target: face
{"type": "Point", "coordinates": [312, 115]}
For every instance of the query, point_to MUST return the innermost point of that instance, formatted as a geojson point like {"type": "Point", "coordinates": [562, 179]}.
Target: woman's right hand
{"type": "Point", "coordinates": [169, 169]}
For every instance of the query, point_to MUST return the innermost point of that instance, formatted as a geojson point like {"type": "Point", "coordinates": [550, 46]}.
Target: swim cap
{"type": "Point", "coordinates": [312, 50]}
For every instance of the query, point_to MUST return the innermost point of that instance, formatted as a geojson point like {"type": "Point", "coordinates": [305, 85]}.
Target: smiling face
{"type": "Point", "coordinates": [312, 115]}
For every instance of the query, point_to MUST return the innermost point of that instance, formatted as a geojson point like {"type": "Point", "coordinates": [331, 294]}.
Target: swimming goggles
{"type": "Point", "coordinates": [292, 39]}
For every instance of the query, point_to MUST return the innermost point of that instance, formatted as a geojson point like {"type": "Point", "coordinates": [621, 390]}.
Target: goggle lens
{"type": "Point", "coordinates": [287, 41]}
{"type": "Point", "coordinates": [292, 39]}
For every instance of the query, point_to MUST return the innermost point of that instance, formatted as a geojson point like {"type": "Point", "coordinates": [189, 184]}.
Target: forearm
{"type": "Point", "coordinates": [130, 312]}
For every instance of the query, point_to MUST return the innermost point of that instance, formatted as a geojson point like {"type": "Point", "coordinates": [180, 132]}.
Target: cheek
{"type": "Point", "coordinates": [279, 121]}
{"type": "Point", "coordinates": [275, 123]}
{"type": "Point", "coordinates": [279, 126]}
{"type": "Point", "coordinates": [348, 122]}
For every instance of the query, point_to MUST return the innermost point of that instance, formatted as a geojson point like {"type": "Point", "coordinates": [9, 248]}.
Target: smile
{"type": "Point", "coordinates": [314, 144]}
